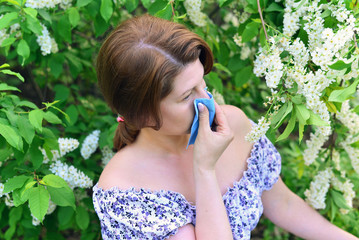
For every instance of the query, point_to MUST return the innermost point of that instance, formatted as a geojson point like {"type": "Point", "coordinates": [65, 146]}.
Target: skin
{"type": "Point", "coordinates": [202, 173]}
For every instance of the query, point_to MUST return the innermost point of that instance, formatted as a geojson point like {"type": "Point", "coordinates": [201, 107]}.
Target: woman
{"type": "Point", "coordinates": [150, 71]}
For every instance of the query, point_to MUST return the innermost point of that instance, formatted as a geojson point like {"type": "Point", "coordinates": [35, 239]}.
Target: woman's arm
{"type": "Point", "coordinates": [287, 210]}
{"type": "Point", "coordinates": [211, 216]}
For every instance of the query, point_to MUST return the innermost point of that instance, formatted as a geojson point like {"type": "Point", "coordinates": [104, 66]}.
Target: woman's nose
{"type": "Point", "coordinates": [203, 93]}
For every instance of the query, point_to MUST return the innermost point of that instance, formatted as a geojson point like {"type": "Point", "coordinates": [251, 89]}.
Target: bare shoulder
{"type": "Point", "coordinates": [116, 172]}
{"type": "Point", "coordinates": [237, 120]}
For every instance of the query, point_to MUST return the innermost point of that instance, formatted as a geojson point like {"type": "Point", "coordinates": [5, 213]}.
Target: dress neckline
{"type": "Point", "coordinates": [164, 192]}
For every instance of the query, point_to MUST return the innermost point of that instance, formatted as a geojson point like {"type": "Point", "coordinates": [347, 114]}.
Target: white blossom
{"type": "Point", "coordinates": [44, 41]}
{"type": "Point", "coordinates": [1, 189]}
{"type": "Point", "coordinates": [258, 130]}
{"type": "Point", "coordinates": [48, 3]}
{"type": "Point", "coordinates": [66, 145]}
{"type": "Point", "coordinates": [318, 189]}
{"type": "Point", "coordinates": [349, 118]}
{"type": "Point", "coordinates": [107, 155]}
{"type": "Point", "coordinates": [193, 8]}
{"type": "Point", "coordinates": [347, 189]}
{"type": "Point", "coordinates": [218, 97]}
{"type": "Point", "coordinates": [73, 176]}
{"type": "Point", "coordinates": [90, 144]}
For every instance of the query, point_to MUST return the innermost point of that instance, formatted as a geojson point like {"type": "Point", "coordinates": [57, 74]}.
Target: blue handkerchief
{"type": "Point", "coordinates": [209, 103]}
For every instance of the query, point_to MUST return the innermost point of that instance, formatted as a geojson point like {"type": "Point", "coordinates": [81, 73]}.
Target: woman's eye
{"type": "Point", "coordinates": [187, 97]}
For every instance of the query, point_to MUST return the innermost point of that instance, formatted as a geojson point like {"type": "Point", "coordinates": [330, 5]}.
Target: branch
{"type": "Point", "coordinates": [262, 20]}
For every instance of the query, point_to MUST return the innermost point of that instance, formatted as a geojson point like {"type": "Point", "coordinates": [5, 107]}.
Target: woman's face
{"type": "Point", "coordinates": [177, 108]}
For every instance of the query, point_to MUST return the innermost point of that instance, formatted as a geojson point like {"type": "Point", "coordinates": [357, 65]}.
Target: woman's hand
{"type": "Point", "coordinates": [210, 144]}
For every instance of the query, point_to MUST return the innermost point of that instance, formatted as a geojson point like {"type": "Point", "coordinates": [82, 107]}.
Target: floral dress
{"type": "Point", "coordinates": [145, 214]}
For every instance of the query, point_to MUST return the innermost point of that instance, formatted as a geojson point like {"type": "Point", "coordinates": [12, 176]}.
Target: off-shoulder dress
{"type": "Point", "coordinates": [145, 214]}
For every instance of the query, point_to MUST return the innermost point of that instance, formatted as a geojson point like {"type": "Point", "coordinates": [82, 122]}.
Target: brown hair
{"type": "Point", "coordinates": [136, 67]}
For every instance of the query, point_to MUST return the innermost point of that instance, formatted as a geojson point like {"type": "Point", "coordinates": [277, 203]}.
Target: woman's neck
{"type": "Point", "coordinates": [156, 142]}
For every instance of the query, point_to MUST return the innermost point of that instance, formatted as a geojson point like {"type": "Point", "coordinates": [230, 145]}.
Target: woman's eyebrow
{"type": "Point", "coordinates": [184, 93]}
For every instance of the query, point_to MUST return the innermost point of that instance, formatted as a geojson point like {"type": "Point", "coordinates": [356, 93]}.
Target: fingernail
{"type": "Point", "coordinates": [200, 107]}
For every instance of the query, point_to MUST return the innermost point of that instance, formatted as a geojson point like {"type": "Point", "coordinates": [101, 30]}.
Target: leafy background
{"type": "Point", "coordinates": [44, 97]}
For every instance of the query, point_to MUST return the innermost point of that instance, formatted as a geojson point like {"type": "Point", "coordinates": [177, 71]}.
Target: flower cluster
{"type": "Point", "coordinates": [107, 154]}
{"type": "Point", "coordinates": [73, 176]}
{"type": "Point", "coordinates": [318, 189]}
{"type": "Point", "coordinates": [46, 43]}
{"type": "Point", "coordinates": [48, 3]}
{"type": "Point", "coordinates": [325, 47]}
{"type": "Point", "coordinates": [258, 130]}
{"type": "Point", "coordinates": [7, 32]}
{"type": "Point", "coordinates": [1, 189]}
{"type": "Point", "coordinates": [347, 189]}
{"type": "Point", "coordinates": [193, 8]}
{"type": "Point", "coordinates": [90, 144]}
{"type": "Point", "coordinates": [352, 152]}
{"type": "Point", "coordinates": [246, 51]}
{"type": "Point", "coordinates": [269, 64]}
{"type": "Point", "coordinates": [66, 145]}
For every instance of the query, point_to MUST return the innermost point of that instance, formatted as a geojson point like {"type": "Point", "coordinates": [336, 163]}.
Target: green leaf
{"type": "Point", "coordinates": [73, 114]}
{"type": "Point", "coordinates": [5, 153]}
{"type": "Point", "coordinates": [289, 128]}
{"type": "Point", "coordinates": [221, 2]}
{"type": "Point", "coordinates": [33, 24]}
{"type": "Point", "coordinates": [131, 5]}
{"type": "Point", "coordinates": [11, 136]}
{"type": "Point", "coordinates": [82, 218]}
{"type": "Point", "coordinates": [165, 13]}
{"type": "Point", "coordinates": [339, 200]}
{"type": "Point", "coordinates": [52, 118]}
{"type": "Point", "coordinates": [56, 64]}
{"type": "Point", "coordinates": [334, 210]}
{"type": "Point", "coordinates": [82, 3]}
{"type": "Point", "coordinates": [106, 9]}
{"type": "Point", "coordinates": [30, 11]}
{"type": "Point", "coordinates": [66, 116]}
{"type": "Point", "coordinates": [282, 113]}
{"type": "Point", "coordinates": [23, 50]}
{"type": "Point", "coordinates": [274, 7]}
{"type": "Point", "coordinates": [343, 94]}
{"type": "Point", "coordinates": [62, 196]}
{"type": "Point", "coordinates": [39, 201]}
{"type": "Point", "coordinates": [74, 16]}
{"type": "Point", "coordinates": [45, 15]}
{"type": "Point", "coordinates": [146, 3]}
{"type": "Point", "coordinates": [36, 155]}
{"type": "Point", "coordinates": [340, 65]}
{"type": "Point", "coordinates": [5, 65]}
{"type": "Point", "coordinates": [64, 28]}
{"type": "Point", "coordinates": [314, 119]}
{"type": "Point", "coordinates": [50, 139]}
{"type": "Point", "coordinates": [36, 116]}
{"type": "Point", "coordinates": [303, 113]}
{"type": "Point", "coordinates": [301, 131]}
{"type": "Point", "coordinates": [65, 215]}
{"type": "Point", "coordinates": [54, 181]}
{"type": "Point", "coordinates": [8, 41]}
{"type": "Point", "coordinates": [26, 104]}
{"type": "Point", "coordinates": [17, 194]}
{"type": "Point", "coordinates": [243, 76]}
{"type": "Point", "coordinates": [15, 182]}
{"type": "Point", "coordinates": [26, 130]}
{"type": "Point", "coordinates": [251, 30]}
{"type": "Point", "coordinates": [5, 87]}
{"type": "Point", "coordinates": [6, 20]}
{"type": "Point", "coordinates": [215, 81]}
{"type": "Point", "coordinates": [9, 72]}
